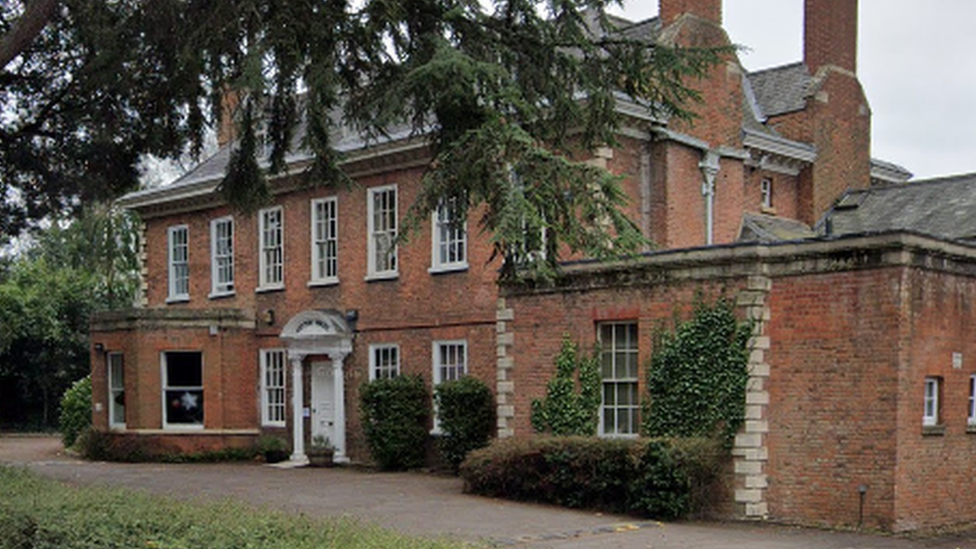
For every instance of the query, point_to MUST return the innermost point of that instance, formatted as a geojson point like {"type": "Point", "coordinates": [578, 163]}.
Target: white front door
{"type": "Point", "coordinates": [323, 401]}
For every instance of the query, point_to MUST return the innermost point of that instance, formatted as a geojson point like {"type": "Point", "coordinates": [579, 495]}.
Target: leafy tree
{"type": "Point", "coordinates": [46, 300]}
{"type": "Point", "coordinates": [498, 90]}
{"type": "Point", "coordinates": [572, 402]}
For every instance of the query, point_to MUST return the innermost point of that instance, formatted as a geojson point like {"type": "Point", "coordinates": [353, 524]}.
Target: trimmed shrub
{"type": "Point", "coordinates": [395, 413]}
{"type": "Point", "coordinates": [101, 446]}
{"type": "Point", "coordinates": [660, 488]}
{"type": "Point", "coordinates": [76, 411]}
{"type": "Point", "coordinates": [648, 477]}
{"type": "Point", "coordinates": [466, 412]}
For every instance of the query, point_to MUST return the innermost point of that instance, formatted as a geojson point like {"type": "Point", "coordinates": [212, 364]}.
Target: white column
{"type": "Point", "coordinates": [338, 385]}
{"type": "Point", "coordinates": [298, 417]}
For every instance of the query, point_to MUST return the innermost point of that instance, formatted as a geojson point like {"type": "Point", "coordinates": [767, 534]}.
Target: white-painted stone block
{"type": "Point", "coordinates": [757, 510]}
{"type": "Point", "coordinates": [759, 342]}
{"type": "Point", "coordinates": [506, 387]}
{"type": "Point", "coordinates": [748, 467]}
{"type": "Point", "coordinates": [744, 440]}
{"type": "Point", "coordinates": [757, 426]}
{"type": "Point", "coordinates": [757, 397]}
{"type": "Point", "coordinates": [748, 496]}
{"type": "Point", "coordinates": [754, 411]}
{"type": "Point", "coordinates": [756, 454]}
{"type": "Point", "coordinates": [506, 315]}
{"type": "Point", "coordinates": [506, 339]}
{"type": "Point", "coordinates": [757, 482]}
{"type": "Point", "coordinates": [759, 369]}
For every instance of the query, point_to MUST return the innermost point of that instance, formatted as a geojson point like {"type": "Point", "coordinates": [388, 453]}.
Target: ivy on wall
{"type": "Point", "coordinates": [696, 381]}
{"type": "Point", "coordinates": [572, 402]}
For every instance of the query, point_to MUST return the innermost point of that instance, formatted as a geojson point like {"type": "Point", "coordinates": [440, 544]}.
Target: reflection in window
{"type": "Point", "coordinates": [183, 389]}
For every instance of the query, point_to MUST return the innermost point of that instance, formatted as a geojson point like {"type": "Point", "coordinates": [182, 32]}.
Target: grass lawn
{"type": "Point", "coordinates": [39, 514]}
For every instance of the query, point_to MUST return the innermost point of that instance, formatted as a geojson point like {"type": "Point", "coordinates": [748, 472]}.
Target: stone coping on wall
{"type": "Point", "coordinates": [151, 318]}
{"type": "Point", "coordinates": [869, 251]}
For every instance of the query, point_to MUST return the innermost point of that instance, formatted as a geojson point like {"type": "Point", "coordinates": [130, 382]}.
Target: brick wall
{"type": "Point", "coordinates": [849, 331]}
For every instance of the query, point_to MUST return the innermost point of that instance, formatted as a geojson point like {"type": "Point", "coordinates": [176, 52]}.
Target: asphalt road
{"type": "Point", "coordinates": [429, 505]}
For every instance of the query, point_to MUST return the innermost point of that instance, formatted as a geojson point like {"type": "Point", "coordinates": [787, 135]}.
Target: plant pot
{"type": "Point", "coordinates": [321, 458]}
{"type": "Point", "coordinates": [275, 456]}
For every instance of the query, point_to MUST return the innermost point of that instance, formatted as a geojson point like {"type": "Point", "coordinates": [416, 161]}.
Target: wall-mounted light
{"type": "Point", "coordinates": [99, 347]}
{"type": "Point", "coordinates": [268, 316]}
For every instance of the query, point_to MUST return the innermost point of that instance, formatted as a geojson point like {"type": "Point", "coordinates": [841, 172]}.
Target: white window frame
{"type": "Point", "coordinates": [221, 257]}
{"type": "Point", "coordinates": [766, 193]}
{"type": "Point", "coordinates": [448, 238]}
{"type": "Point", "coordinates": [389, 267]}
{"type": "Point", "coordinates": [165, 386]}
{"type": "Point", "coordinates": [930, 409]}
{"type": "Point", "coordinates": [613, 382]}
{"type": "Point", "coordinates": [324, 241]}
{"type": "Point", "coordinates": [971, 416]}
{"type": "Point", "coordinates": [437, 375]}
{"type": "Point", "coordinates": [274, 384]}
{"type": "Point", "coordinates": [178, 265]}
{"type": "Point", "coordinates": [271, 274]}
{"type": "Point", "coordinates": [379, 363]}
{"type": "Point", "coordinates": [116, 388]}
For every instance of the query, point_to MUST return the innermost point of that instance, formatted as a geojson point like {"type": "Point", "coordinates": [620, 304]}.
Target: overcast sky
{"type": "Point", "coordinates": [916, 61]}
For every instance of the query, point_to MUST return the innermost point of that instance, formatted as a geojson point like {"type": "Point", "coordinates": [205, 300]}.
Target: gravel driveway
{"type": "Point", "coordinates": [432, 506]}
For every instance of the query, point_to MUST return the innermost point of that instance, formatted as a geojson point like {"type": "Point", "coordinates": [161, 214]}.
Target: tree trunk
{"type": "Point", "coordinates": [36, 15]}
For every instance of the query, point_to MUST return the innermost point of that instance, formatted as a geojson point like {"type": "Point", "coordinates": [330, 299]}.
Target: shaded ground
{"type": "Point", "coordinates": [432, 506]}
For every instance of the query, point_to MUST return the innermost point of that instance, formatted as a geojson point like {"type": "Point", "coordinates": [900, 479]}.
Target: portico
{"type": "Point", "coordinates": [318, 333]}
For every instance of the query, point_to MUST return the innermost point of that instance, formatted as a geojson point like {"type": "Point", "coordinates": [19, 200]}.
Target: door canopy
{"type": "Point", "coordinates": [318, 332]}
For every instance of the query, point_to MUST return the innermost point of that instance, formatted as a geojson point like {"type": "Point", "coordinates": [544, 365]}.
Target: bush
{"type": "Point", "coordinates": [466, 412]}
{"type": "Point", "coordinates": [648, 477]}
{"type": "Point", "coordinates": [76, 411]}
{"type": "Point", "coordinates": [395, 413]}
{"type": "Point", "coordinates": [273, 448]}
{"type": "Point", "coordinates": [101, 446]}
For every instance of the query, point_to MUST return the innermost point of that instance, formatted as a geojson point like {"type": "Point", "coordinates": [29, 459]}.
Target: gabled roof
{"type": "Point", "coordinates": [943, 208]}
{"type": "Point", "coordinates": [781, 90]}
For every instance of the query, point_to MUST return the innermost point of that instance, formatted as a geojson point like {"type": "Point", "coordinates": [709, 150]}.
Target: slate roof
{"type": "Point", "coordinates": [770, 228]}
{"type": "Point", "coordinates": [943, 208]}
{"type": "Point", "coordinates": [781, 90]}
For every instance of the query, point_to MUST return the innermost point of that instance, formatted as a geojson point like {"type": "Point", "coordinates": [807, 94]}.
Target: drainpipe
{"type": "Point", "coordinates": [709, 166]}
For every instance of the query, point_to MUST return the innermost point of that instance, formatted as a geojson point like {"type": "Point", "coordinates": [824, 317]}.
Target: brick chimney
{"type": "Point", "coordinates": [710, 10]}
{"type": "Point", "coordinates": [830, 34]}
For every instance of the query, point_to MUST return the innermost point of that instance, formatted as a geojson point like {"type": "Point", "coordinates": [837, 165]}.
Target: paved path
{"type": "Point", "coordinates": [432, 506]}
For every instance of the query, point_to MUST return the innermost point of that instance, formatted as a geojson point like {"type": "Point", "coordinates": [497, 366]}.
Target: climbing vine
{"type": "Point", "coordinates": [696, 381]}
{"type": "Point", "coordinates": [572, 402]}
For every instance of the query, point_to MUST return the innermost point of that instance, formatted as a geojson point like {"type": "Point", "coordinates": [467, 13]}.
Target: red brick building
{"type": "Point", "coordinates": [860, 401]}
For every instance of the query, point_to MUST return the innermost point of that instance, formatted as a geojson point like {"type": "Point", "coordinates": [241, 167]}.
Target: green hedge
{"type": "Point", "coordinates": [466, 413]}
{"type": "Point", "coordinates": [395, 414]}
{"type": "Point", "coordinates": [41, 514]}
{"type": "Point", "coordinates": [660, 478]}
{"type": "Point", "coordinates": [76, 411]}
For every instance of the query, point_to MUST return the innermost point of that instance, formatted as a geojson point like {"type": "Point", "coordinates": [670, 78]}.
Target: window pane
{"type": "Point", "coordinates": [184, 406]}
